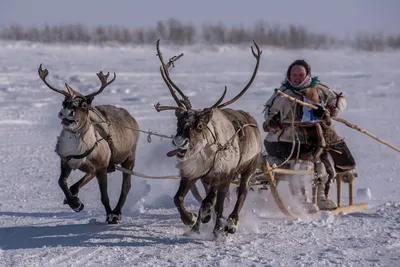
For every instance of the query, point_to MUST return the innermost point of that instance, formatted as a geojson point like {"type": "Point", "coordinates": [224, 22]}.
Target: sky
{"type": "Point", "coordinates": [339, 17]}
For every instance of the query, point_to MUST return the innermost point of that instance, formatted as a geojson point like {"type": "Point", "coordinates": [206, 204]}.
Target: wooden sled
{"type": "Point", "coordinates": [351, 207]}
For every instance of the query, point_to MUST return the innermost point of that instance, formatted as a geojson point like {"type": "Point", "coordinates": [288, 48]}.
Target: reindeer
{"type": "Point", "coordinates": [215, 145]}
{"type": "Point", "coordinates": [93, 140]}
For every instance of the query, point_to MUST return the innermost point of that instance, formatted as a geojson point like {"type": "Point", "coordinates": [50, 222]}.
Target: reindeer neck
{"type": "Point", "coordinates": [76, 143]}
{"type": "Point", "coordinates": [85, 129]}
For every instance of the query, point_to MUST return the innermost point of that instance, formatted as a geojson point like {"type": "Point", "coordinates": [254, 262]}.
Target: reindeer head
{"type": "Point", "coordinates": [75, 107]}
{"type": "Point", "coordinates": [194, 130]}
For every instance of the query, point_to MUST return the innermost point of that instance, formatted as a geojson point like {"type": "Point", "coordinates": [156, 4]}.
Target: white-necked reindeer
{"type": "Point", "coordinates": [94, 148]}
{"type": "Point", "coordinates": [215, 145]}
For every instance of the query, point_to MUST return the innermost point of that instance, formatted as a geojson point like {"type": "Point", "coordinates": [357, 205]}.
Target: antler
{"type": "Point", "coordinates": [159, 108]}
{"type": "Point", "coordinates": [257, 56]}
{"type": "Point", "coordinates": [164, 72]}
{"type": "Point", "coordinates": [220, 99]}
{"type": "Point", "coordinates": [43, 74]}
{"type": "Point", "coordinates": [103, 79]}
{"type": "Point", "coordinates": [178, 102]}
{"type": "Point", "coordinates": [73, 93]}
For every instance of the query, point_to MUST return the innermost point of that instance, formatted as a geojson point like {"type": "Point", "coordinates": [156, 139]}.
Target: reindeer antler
{"type": "Point", "coordinates": [103, 79]}
{"type": "Point", "coordinates": [220, 99]}
{"type": "Point", "coordinates": [165, 75]}
{"type": "Point", "coordinates": [257, 56]}
{"type": "Point", "coordinates": [43, 74]}
{"type": "Point", "coordinates": [159, 108]}
{"type": "Point", "coordinates": [74, 94]}
{"type": "Point", "coordinates": [171, 90]}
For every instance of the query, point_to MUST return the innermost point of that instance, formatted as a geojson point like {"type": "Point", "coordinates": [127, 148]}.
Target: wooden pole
{"type": "Point", "coordinates": [348, 124]}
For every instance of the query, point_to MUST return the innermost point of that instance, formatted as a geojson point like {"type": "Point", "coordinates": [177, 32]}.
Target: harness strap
{"type": "Point", "coordinates": [90, 150]}
{"type": "Point", "coordinates": [108, 138]}
{"type": "Point", "coordinates": [226, 145]}
{"type": "Point", "coordinates": [84, 154]}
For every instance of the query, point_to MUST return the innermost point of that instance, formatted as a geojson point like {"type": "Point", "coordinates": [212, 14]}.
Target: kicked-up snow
{"type": "Point", "coordinates": [36, 229]}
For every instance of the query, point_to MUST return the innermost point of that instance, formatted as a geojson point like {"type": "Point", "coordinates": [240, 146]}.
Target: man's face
{"type": "Point", "coordinates": [297, 74]}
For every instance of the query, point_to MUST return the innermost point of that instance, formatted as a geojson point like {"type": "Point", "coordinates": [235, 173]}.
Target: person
{"type": "Point", "coordinates": [301, 134]}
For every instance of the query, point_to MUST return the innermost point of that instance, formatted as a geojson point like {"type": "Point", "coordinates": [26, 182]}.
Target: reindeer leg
{"type": "Point", "coordinates": [188, 218]}
{"type": "Point", "coordinates": [204, 215]}
{"type": "Point", "coordinates": [78, 185]}
{"type": "Point", "coordinates": [207, 205]}
{"type": "Point", "coordinates": [219, 209]}
{"type": "Point", "coordinates": [102, 180]}
{"type": "Point", "coordinates": [233, 219]}
{"type": "Point", "coordinates": [126, 186]}
{"type": "Point", "coordinates": [81, 183]}
{"type": "Point", "coordinates": [70, 199]}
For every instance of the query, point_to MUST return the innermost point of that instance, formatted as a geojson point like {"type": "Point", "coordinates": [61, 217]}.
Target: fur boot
{"type": "Point", "coordinates": [326, 173]}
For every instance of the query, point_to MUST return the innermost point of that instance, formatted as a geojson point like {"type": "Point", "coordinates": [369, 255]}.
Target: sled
{"type": "Point", "coordinates": [272, 180]}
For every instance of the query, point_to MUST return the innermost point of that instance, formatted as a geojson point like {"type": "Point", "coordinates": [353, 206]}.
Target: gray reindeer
{"type": "Point", "coordinates": [215, 145]}
{"type": "Point", "coordinates": [93, 139]}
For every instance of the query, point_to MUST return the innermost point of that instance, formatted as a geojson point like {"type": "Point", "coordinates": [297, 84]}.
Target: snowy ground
{"type": "Point", "coordinates": [36, 229]}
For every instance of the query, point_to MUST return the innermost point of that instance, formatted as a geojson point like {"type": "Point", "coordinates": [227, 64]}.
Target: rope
{"type": "Point", "coordinates": [138, 174]}
{"type": "Point", "coordinates": [229, 142]}
{"type": "Point", "coordinates": [150, 133]}
{"type": "Point", "coordinates": [224, 147]}
{"type": "Point", "coordinates": [293, 147]}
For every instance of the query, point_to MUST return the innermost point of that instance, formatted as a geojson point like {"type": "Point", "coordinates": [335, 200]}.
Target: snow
{"type": "Point", "coordinates": [36, 229]}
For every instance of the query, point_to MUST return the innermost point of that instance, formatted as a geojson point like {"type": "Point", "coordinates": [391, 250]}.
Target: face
{"type": "Point", "coordinates": [191, 135]}
{"type": "Point", "coordinates": [297, 74]}
{"type": "Point", "coordinates": [73, 113]}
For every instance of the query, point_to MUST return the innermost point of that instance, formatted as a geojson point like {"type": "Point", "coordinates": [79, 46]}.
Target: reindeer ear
{"type": "Point", "coordinates": [206, 115]}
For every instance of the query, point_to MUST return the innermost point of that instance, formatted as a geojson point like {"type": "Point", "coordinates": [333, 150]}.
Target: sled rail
{"type": "Point", "coordinates": [272, 183]}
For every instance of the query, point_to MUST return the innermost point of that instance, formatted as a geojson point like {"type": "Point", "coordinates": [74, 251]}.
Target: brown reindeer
{"type": "Point", "coordinates": [93, 140]}
{"type": "Point", "coordinates": [215, 145]}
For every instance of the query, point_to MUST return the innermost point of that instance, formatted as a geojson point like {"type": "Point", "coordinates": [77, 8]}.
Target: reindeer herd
{"type": "Point", "coordinates": [215, 144]}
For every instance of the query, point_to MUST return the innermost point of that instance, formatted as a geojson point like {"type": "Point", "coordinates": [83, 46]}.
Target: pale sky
{"type": "Point", "coordinates": [337, 17]}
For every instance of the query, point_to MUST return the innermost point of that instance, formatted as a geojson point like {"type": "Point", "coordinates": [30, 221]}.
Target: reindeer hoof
{"type": "Point", "coordinates": [311, 207]}
{"type": "Point", "coordinates": [189, 220]}
{"type": "Point", "coordinates": [80, 208]}
{"type": "Point", "coordinates": [206, 219]}
{"type": "Point", "coordinates": [205, 214]}
{"type": "Point", "coordinates": [65, 202]}
{"type": "Point", "coordinates": [76, 204]}
{"type": "Point", "coordinates": [232, 225]}
{"type": "Point", "coordinates": [114, 218]}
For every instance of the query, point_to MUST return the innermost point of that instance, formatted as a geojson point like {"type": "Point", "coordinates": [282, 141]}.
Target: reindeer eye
{"type": "Point", "coordinates": [84, 105]}
{"type": "Point", "coordinates": [200, 126]}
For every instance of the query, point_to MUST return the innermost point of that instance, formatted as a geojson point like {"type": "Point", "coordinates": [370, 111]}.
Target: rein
{"type": "Point", "coordinates": [292, 124]}
{"type": "Point", "coordinates": [226, 145]}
